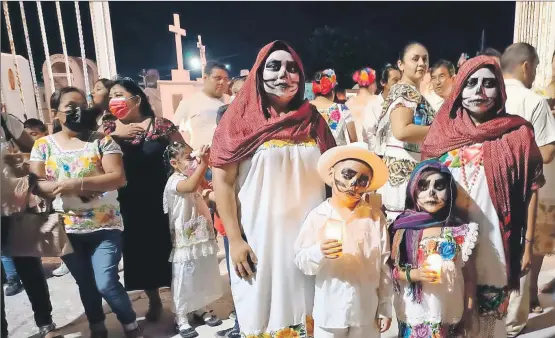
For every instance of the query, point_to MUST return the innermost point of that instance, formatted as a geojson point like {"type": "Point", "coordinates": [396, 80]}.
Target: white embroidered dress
{"type": "Point", "coordinates": [442, 304]}
{"type": "Point", "coordinates": [277, 188]}
{"type": "Point", "coordinates": [196, 275]}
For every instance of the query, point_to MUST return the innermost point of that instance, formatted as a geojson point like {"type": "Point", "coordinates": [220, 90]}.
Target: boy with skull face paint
{"type": "Point", "coordinates": [350, 268]}
{"type": "Point", "coordinates": [432, 297]}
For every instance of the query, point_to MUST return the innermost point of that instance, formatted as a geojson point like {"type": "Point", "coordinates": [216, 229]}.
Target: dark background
{"type": "Point", "coordinates": [342, 35]}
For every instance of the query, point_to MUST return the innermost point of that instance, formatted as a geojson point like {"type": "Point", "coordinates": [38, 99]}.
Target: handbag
{"type": "Point", "coordinates": [37, 234]}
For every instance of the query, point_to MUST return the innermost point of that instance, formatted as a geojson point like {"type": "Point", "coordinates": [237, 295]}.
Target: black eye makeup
{"type": "Point", "coordinates": [349, 174]}
{"type": "Point", "coordinates": [439, 185]}
{"type": "Point", "coordinates": [273, 65]}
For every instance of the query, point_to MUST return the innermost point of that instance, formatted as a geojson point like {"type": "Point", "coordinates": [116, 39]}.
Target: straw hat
{"type": "Point", "coordinates": [358, 151]}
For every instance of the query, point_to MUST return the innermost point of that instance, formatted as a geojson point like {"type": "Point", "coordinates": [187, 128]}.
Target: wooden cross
{"type": "Point", "coordinates": [202, 50]}
{"type": "Point", "coordinates": [179, 32]}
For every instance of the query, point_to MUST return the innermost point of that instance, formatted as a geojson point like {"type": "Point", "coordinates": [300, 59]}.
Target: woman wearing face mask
{"type": "Point", "coordinates": [143, 139]}
{"type": "Point", "coordinates": [81, 170]}
{"type": "Point", "coordinates": [401, 127]}
{"type": "Point", "coordinates": [338, 116]}
{"type": "Point", "coordinates": [493, 156]}
{"type": "Point", "coordinates": [265, 187]}
{"type": "Point", "coordinates": [432, 257]}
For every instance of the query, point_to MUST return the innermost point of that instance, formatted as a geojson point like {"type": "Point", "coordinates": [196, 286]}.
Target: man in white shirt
{"type": "Point", "coordinates": [443, 77]}
{"type": "Point", "coordinates": [519, 63]}
{"type": "Point", "coordinates": [196, 115]}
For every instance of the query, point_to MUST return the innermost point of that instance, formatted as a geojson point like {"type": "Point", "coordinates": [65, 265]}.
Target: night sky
{"type": "Point", "coordinates": [233, 32]}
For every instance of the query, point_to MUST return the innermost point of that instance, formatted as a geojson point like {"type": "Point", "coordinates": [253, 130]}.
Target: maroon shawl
{"type": "Point", "coordinates": [512, 160]}
{"type": "Point", "coordinates": [249, 121]}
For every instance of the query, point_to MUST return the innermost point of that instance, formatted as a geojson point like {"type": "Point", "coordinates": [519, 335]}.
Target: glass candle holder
{"type": "Point", "coordinates": [435, 263]}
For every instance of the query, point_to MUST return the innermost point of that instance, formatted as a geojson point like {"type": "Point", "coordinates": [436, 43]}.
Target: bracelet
{"type": "Point", "coordinates": [407, 273]}
{"type": "Point", "coordinates": [528, 240]}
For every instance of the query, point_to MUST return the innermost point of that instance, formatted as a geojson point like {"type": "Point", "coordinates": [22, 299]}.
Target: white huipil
{"type": "Point", "coordinates": [277, 188]}
{"type": "Point", "coordinates": [490, 253]}
{"type": "Point", "coordinates": [355, 289]}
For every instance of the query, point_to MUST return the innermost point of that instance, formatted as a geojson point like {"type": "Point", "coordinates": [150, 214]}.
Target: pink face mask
{"type": "Point", "coordinates": [118, 107]}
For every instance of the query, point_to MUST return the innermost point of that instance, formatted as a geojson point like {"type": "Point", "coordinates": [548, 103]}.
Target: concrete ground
{"type": "Point", "coordinates": [69, 315]}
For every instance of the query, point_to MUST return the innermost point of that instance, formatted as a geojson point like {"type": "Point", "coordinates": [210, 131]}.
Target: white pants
{"type": "Point", "coordinates": [350, 332]}
{"type": "Point", "coordinates": [519, 308]}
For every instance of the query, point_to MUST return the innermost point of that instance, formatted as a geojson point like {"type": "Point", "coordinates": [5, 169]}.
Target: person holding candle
{"type": "Point", "coordinates": [344, 244]}
{"type": "Point", "coordinates": [431, 259]}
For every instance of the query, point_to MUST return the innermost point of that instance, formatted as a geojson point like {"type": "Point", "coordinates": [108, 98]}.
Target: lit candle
{"type": "Point", "coordinates": [334, 230]}
{"type": "Point", "coordinates": [435, 262]}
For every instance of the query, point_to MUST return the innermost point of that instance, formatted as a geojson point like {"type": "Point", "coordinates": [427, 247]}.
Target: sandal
{"type": "Point", "coordinates": [188, 333]}
{"type": "Point", "coordinates": [210, 320]}
{"type": "Point", "coordinates": [535, 306]}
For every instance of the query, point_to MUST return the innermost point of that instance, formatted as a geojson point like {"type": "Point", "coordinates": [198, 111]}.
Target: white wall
{"type": "Point", "coordinates": [12, 94]}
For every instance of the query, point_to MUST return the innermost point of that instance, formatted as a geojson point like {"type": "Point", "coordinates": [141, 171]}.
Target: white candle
{"type": "Point", "coordinates": [334, 230]}
{"type": "Point", "coordinates": [435, 262]}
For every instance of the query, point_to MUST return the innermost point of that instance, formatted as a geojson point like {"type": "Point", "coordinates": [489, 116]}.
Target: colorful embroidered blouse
{"type": "Point", "coordinates": [101, 213]}
{"type": "Point", "coordinates": [162, 128]}
{"type": "Point", "coordinates": [337, 117]}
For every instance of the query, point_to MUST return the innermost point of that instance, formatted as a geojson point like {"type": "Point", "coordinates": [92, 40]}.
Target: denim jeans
{"type": "Point", "coordinates": [94, 265]}
{"type": "Point", "coordinates": [226, 247]}
{"type": "Point", "coordinates": [9, 269]}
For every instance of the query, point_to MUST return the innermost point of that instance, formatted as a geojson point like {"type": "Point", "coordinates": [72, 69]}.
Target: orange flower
{"type": "Point", "coordinates": [309, 326]}
{"type": "Point", "coordinates": [459, 240]}
{"type": "Point", "coordinates": [436, 335]}
{"type": "Point", "coordinates": [287, 333]}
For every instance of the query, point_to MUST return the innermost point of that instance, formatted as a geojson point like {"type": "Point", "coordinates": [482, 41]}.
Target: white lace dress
{"type": "Point", "coordinates": [196, 276]}
{"type": "Point", "coordinates": [442, 304]}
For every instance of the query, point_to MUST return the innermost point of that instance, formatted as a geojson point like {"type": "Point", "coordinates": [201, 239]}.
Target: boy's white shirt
{"type": "Point", "coordinates": [350, 288]}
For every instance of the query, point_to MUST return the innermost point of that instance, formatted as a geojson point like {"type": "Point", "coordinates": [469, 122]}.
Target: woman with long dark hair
{"type": "Point", "coordinates": [143, 139]}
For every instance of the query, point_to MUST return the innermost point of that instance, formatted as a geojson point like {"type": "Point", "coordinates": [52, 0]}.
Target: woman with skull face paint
{"type": "Point", "coordinates": [81, 171]}
{"type": "Point", "coordinates": [147, 241]}
{"type": "Point", "coordinates": [495, 159]}
{"type": "Point", "coordinates": [265, 187]}
{"type": "Point", "coordinates": [403, 124]}
{"type": "Point", "coordinates": [338, 116]}
{"type": "Point", "coordinates": [431, 300]}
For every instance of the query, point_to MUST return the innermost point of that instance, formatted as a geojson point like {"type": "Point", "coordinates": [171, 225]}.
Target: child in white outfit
{"type": "Point", "coordinates": [344, 243]}
{"type": "Point", "coordinates": [196, 275]}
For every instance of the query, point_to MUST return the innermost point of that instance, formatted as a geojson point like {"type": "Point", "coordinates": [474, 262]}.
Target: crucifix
{"type": "Point", "coordinates": [180, 73]}
{"type": "Point", "coordinates": [202, 50]}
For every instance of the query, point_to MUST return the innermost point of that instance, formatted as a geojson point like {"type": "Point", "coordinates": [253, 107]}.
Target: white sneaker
{"type": "Point", "coordinates": [60, 271]}
{"type": "Point", "coordinates": [120, 265]}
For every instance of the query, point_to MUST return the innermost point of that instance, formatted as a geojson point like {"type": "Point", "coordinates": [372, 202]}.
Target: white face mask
{"type": "Point", "coordinates": [432, 193]}
{"type": "Point", "coordinates": [480, 92]}
{"type": "Point", "coordinates": [281, 75]}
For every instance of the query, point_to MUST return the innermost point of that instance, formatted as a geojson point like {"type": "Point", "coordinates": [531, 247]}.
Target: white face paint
{"type": "Point", "coordinates": [432, 193]}
{"type": "Point", "coordinates": [281, 75]}
{"type": "Point", "coordinates": [480, 92]}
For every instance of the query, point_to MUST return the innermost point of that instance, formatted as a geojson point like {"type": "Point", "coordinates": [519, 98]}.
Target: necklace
{"type": "Point", "coordinates": [477, 163]}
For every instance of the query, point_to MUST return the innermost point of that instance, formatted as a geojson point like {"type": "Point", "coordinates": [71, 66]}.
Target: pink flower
{"type": "Point", "coordinates": [335, 115]}
{"type": "Point", "coordinates": [421, 331]}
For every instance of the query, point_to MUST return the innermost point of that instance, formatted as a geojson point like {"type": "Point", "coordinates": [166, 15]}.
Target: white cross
{"type": "Point", "coordinates": [202, 50]}
{"type": "Point", "coordinates": [179, 32]}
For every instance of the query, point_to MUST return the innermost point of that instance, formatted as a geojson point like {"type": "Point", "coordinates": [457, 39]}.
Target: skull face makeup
{"type": "Point", "coordinates": [432, 192]}
{"type": "Point", "coordinates": [479, 93]}
{"type": "Point", "coordinates": [350, 179]}
{"type": "Point", "coordinates": [281, 75]}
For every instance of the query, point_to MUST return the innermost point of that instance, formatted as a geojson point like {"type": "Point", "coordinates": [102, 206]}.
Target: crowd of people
{"type": "Point", "coordinates": [419, 196]}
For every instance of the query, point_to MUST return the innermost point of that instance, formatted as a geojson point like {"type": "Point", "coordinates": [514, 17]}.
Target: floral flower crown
{"type": "Point", "coordinates": [364, 77]}
{"type": "Point", "coordinates": [324, 82]}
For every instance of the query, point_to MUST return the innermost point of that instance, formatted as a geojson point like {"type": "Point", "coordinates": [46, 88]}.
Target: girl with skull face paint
{"type": "Point", "coordinates": [494, 157]}
{"type": "Point", "coordinates": [81, 171]}
{"type": "Point", "coordinates": [429, 303]}
{"type": "Point", "coordinates": [265, 187]}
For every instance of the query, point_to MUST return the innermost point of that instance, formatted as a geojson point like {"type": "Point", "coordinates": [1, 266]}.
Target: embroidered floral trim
{"type": "Point", "coordinates": [286, 143]}
{"type": "Point", "coordinates": [195, 251]}
{"type": "Point", "coordinates": [425, 330]}
{"type": "Point", "coordinates": [471, 155]}
{"type": "Point", "coordinates": [294, 331]}
{"type": "Point", "coordinates": [470, 240]}
{"type": "Point", "coordinates": [492, 301]}
{"type": "Point", "coordinates": [399, 170]}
